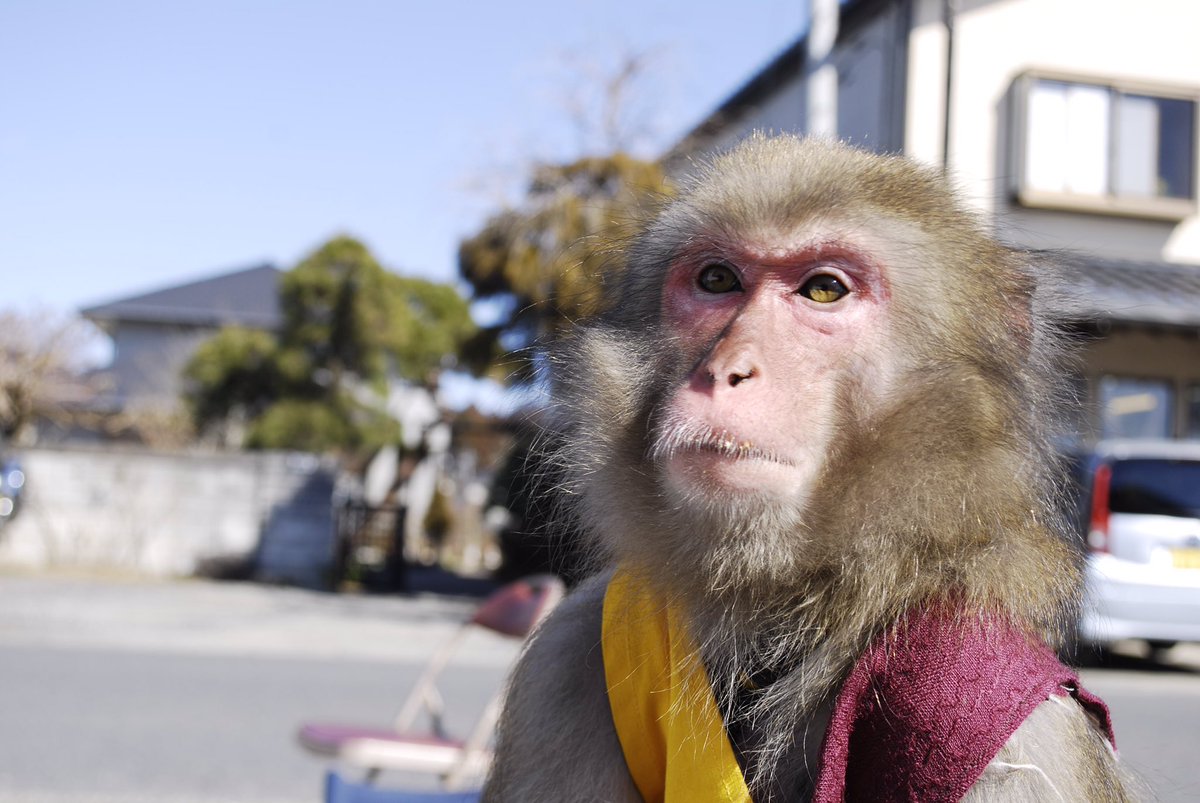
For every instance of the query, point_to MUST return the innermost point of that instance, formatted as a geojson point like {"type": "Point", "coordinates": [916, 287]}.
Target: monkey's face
{"type": "Point", "coordinates": [775, 329]}
{"type": "Point", "coordinates": [796, 338]}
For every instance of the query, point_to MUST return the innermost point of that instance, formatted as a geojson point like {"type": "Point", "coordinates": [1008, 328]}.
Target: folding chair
{"type": "Point", "coordinates": [340, 790]}
{"type": "Point", "coordinates": [513, 611]}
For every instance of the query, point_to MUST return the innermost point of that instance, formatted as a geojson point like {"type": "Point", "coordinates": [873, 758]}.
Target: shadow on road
{"type": "Point", "coordinates": [1134, 659]}
{"type": "Point", "coordinates": [436, 580]}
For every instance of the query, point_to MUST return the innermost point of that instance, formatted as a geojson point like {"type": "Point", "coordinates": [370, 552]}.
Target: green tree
{"type": "Point", "coordinates": [547, 260]}
{"type": "Point", "coordinates": [235, 369]}
{"type": "Point", "coordinates": [349, 326]}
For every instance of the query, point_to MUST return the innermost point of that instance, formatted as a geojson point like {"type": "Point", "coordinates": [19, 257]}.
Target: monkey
{"type": "Point", "coordinates": [810, 440]}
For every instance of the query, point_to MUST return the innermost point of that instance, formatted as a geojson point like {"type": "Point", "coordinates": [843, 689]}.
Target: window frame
{"type": "Point", "coordinates": [1170, 398]}
{"type": "Point", "coordinates": [1109, 203]}
{"type": "Point", "coordinates": [1190, 402]}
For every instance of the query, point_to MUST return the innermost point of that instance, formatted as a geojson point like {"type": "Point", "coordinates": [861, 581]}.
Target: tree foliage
{"type": "Point", "coordinates": [548, 260]}
{"type": "Point", "coordinates": [235, 369]}
{"type": "Point", "coordinates": [349, 326]}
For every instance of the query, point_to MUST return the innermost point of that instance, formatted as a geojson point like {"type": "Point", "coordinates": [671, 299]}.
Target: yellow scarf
{"type": "Point", "coordinates": [662, 703]}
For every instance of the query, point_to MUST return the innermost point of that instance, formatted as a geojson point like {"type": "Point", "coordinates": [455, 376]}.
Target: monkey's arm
{"type": "Point", "coordinates": [1058, 753]}
{"type": "Point", "coordinates": [556, 739]}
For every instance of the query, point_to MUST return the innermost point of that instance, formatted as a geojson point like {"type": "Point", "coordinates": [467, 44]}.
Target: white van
{"type": "Point", "coordinates": [1140, 510]}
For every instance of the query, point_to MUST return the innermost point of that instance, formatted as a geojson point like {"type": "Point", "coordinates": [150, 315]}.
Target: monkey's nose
{"type": "Point", "coordinates": [733, 378]}
{"type": "Point", "coordinates": [737, 377]}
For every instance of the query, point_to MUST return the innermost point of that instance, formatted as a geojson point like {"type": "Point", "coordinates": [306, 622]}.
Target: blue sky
{"type": "Point", "coordinates": [144, 144]}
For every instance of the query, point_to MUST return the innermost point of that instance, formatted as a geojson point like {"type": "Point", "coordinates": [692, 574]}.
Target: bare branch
{"type": "Point", "coordinates": [44, 369]}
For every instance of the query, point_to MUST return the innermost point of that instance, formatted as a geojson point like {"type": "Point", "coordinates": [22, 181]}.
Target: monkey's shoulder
{"type": "Point", "coordinates": [933, 703]}
{"type": "Point", "coordinates": [563, 662]}
{"type": "Point", "coordinates": [574, 628]}
{"type": "Point", "coordinates": [1060, 752]}
{"type": "Point", "coordinates": [556, 738]}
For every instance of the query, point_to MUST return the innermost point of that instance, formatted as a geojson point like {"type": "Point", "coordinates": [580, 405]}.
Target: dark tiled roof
{"type": "Point", "coordinates": [1125, 291]}
{"type": "Point", "coordinates": [247, 297]}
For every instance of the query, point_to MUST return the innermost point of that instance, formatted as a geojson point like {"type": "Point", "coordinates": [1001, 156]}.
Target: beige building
{"type": "Point", "coordinates": [1072, 124]}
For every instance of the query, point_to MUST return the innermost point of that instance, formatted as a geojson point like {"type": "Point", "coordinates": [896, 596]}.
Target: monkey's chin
{"type": "Point", "coordinates": [700, 472]}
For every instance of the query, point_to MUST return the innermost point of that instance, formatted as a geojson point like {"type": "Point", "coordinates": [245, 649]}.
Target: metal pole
{"type": "Point", "coordinates": [822, 79]}
{"type": "Point", "coordinates": [947, 106]}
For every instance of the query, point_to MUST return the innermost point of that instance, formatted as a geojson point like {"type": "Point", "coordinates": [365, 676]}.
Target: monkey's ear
{"type": "Point", "coordinates": [1020, 318]}
{"type": "Point", "coordinates": [1022, 296]}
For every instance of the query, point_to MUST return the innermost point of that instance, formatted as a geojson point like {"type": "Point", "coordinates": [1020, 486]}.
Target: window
{"type": "Point", "coordinates": [1135, 408]}
{"type": "Point", "coordinates": [1105, 148]}
{"type": "Point", "coordinates": [1155, 487]}
{"type": "Point", "coordinates": [1193, 413]}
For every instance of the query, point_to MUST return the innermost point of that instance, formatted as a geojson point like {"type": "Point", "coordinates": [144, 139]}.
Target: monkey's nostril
{"type": "Point", "coordinates": [738, 377]}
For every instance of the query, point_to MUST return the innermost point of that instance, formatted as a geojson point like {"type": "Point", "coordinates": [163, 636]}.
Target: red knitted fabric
{"type": "Point", "coordinates": [930, 704]}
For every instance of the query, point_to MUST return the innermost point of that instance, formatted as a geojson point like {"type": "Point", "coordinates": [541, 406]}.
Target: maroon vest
{"type": "Point", "coordinates": [931, 702]}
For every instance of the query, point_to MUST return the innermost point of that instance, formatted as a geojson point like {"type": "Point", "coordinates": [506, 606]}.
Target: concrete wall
{"type": "Point", "coordinates": [174, 514]}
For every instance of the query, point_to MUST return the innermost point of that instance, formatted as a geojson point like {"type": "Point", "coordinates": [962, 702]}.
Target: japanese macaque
{"type": "Point", "coordinates": [813, 422]}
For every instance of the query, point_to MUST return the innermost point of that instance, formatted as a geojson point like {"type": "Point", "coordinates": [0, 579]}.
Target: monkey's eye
{"type": "Point", "coordinates": [823, 288]}
{"type": "Point", "coordinates": [718, 278]}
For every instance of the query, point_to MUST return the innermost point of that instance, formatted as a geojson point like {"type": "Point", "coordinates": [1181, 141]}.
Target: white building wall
{"type": "Point", "coordinates": [1151, 41]}
{"type": "Point", "coordinates": [925, 119]}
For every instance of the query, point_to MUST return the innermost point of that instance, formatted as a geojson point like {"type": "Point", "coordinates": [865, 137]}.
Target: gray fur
{"type": "Point", "coordinates": [1058, 753]}
{"type": "Point", "coordinates": [556, 740]}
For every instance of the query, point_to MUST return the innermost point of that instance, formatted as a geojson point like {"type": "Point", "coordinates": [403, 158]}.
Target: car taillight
{"type": "Point", "coordinates": [1098, 526]}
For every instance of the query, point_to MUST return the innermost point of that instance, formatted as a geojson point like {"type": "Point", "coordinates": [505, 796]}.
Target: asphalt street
{"type": "Point", "coordinates": [127, 691]}
{"type": "Point", "coordinates": [115, 690]}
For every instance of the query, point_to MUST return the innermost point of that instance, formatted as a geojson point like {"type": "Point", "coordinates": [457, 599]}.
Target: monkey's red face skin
{"type": "Point", "coordinates": [775, 337]}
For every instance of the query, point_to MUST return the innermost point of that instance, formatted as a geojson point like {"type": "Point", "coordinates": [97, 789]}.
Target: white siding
{"type": "Point", "coordinates": [1151, 41]}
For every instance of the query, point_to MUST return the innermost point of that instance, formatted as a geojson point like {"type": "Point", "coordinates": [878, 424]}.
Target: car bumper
{"type": "Point", "coordinates": [1139, 601]}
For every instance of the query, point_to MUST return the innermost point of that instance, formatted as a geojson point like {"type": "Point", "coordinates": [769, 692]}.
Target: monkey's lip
{"type": "Point", "coordinates": [728, 465]}
{"type": "Point", "coordinates": [732, 448]}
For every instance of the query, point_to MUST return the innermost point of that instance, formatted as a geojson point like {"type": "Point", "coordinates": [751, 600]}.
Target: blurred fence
{"type": "Point", "coordinates": [370, 547]}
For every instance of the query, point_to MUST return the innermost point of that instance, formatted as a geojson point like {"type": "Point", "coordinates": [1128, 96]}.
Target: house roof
{"type": "Point", "coordinates": [248, 297]}
{"type": "Point", "coordinates": [1139, 292]}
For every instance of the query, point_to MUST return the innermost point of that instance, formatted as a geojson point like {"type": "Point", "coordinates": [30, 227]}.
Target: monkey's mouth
{"type": "Point", "coordinates": [685, 439]}
{"type": "Point", "coordinates": [736, 450]}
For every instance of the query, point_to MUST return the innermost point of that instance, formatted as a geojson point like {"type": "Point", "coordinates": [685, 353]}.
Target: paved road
{"type": "Point", "coordinates": [131, 692]}
{"type": "Point", "coordinates": [122, 691]}
{"type": "Point", "coordinates": [1156, 715]}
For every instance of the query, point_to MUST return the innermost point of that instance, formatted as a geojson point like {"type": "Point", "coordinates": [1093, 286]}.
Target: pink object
{"type": "Point", "coordinates": [328, 739]}
{"type": "Point", "coordinates": [930, 704]}
{"type": "Point", "coordinates": [517, 607]}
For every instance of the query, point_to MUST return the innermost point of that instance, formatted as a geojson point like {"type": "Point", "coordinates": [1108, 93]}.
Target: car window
{"type": "Point", "coordinates": [1076, 491]}
{"type": "Point", "coordinates": [1161, 487]}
